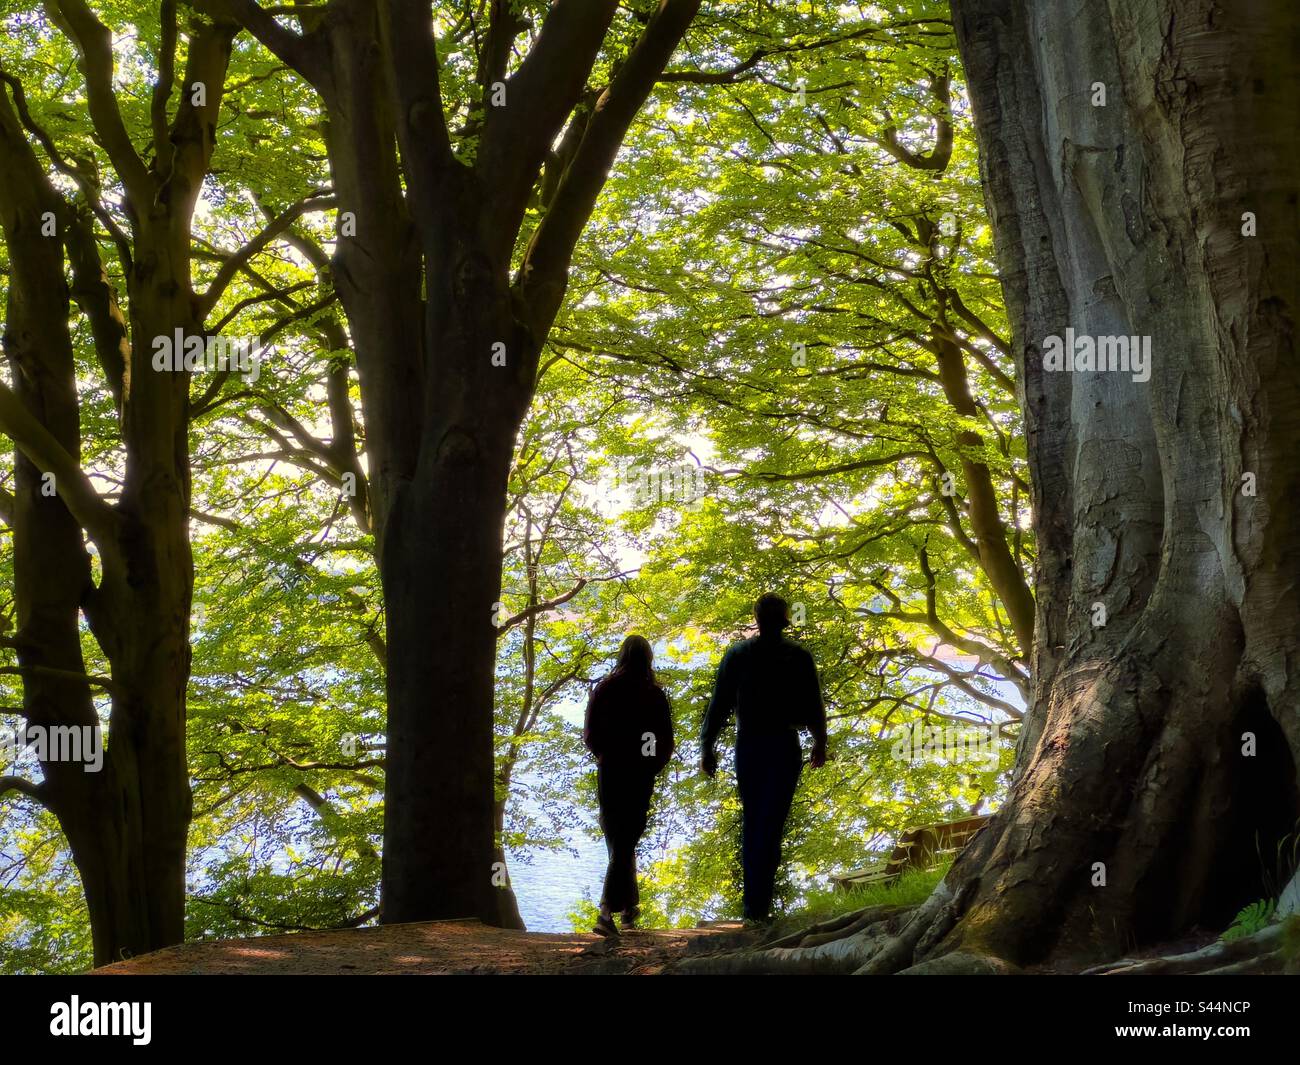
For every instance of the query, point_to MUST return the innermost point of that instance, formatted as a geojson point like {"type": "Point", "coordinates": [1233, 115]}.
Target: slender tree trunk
{"type": "Point", "coordinates": [507, 901]}
{"type": "Point", "coordinates": [1157, 769]}
{"type": "Point", "coordinates": [990, 535]}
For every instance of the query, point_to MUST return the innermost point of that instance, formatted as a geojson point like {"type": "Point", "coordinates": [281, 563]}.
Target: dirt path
{"type": "Point", "coordinates": [433, 948]}
{"type": "Point", "coordinates": [456, 947]}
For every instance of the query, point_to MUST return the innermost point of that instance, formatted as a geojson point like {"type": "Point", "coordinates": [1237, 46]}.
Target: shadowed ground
{"type": "Point", "coordinates": [434, 948]}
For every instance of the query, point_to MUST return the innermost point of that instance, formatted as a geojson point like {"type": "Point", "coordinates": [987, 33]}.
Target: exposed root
{"type": "Point", "coordinates": [852, 929]}
{"type": "Point", "coordinates": [837, 946]}
{"type": "Point", "coordinates": [961, 963]}
{"type": "Point", "coordinates": [1271, 963]}
{"type": "Point", "coordinates": [837, 927]}
{"type": "Point", "coordinates": [1218, 957]}
{"type": "Point", "coordinates": [879, 939]}
{"type": "Point", "coordinates": [931, 921]}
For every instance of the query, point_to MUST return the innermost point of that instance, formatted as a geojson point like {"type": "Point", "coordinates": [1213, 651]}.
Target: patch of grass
{"type": "Point", "coordinates": [910, 889]}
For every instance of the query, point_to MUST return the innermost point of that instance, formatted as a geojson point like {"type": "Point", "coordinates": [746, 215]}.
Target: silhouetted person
{"type": "Point", "coordinates": [629, 729]}
{"type": "Point", "coordinates": [770, 682]}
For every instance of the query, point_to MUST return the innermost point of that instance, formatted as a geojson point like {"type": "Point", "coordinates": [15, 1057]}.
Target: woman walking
{"type": "Point", "coordinates": [629, 729]}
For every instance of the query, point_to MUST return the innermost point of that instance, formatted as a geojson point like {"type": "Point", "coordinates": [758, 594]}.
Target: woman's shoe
{"type": "Point", "coordinates": [605, 927]}
{"type": "Point", "coordinates": [628, 918]}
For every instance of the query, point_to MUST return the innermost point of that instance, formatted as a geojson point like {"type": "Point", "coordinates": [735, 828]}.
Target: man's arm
{"type": "Point", "coordinates": [666, 743]}
{"type": "Point", "coordinates": [720, 709]}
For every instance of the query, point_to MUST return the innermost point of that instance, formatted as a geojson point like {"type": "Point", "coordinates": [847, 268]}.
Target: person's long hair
{"type": "Point", "coordinates": [635, 661]}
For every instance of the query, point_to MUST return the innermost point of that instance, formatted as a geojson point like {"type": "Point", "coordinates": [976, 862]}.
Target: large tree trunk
{"type": "Point", "coordinates": [51, 576]}
{"type": "Point", "coordinates": [1156, 770]}
{"type": "Point", "coordinates": [126, 824]}
{"type": "Point", "coordinates": [140, 614]}
{"type": "Point", "coordinates": [1126, 220]}
{"type": "Point", "coordinates": [441, 570]}
{"type": "Point", "coordinates": [437, 480]}
{"type": "Point", "coordinates": [448, 328]}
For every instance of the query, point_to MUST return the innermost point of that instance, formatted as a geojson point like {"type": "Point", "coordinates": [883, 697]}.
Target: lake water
{"type": "Point", "coordinates": [554, 882]}
{"type": "Point", "coordinates": [551, 886]}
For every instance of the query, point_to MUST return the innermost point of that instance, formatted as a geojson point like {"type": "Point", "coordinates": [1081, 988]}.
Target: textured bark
{"type": "Point", "coordinates": [1125, 219]}
{"type": "Point", "coordinates": [51, 565]}
{"type": "Point", "coordinates": [127, 824]}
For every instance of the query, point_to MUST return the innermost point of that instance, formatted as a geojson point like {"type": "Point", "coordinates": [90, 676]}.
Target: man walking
{"type": "Point", "coordinates": [770, 683]}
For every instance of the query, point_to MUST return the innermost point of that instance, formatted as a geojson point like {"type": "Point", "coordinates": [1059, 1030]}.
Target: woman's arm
{"type": "Point", "coordinates": [593, 724]}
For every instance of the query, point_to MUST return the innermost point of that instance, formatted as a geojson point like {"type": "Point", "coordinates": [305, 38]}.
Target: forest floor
{"type": "Point", "coordinates": [434, 948]}
{"type": "Point", "coordinates": [437, 948]}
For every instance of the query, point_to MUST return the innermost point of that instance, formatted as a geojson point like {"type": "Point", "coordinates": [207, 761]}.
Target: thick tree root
{"type": "Point", "coordinates": [961, 963]}
{"type": "Point", "coordinates": [928, 925]}
{"type": "Point", "coordinates": [837, 927]}
{"type": "Point", "coordinates": [879, 939]}
{"type": "Point", "coordinates": [1218, 958]}
{"type": "Point", "coordinates": [836, 946]}
{"type": "Point", "coordinates": [1265, 964]}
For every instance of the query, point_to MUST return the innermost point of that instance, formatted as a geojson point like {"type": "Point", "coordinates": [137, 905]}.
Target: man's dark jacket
{"type": "Point", "coordinates": [770, 683]}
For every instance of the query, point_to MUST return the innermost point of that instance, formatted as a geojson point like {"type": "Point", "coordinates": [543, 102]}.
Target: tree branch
{"type": "Point", "coordinates": [97, 517]}
{"type": "Point", "coordinates": [64, 674]}
{"type": "Point", "coordinates": [85, 179]}
{"type": "Point", "coordinates": [407, 30]}
{"type": "Point", "coordinates": [504, 26]}
{"type": "Point", "coordinates": [95, 296]}
{"type": "Point", "coordinates": [317, 201]}
{"type": "Point", "coordinates": [541, 608]}
{"type": "Point", "coordinates": [94, 42]}
{"type": "Point", "coordinates": [301, 53]}
{"type": "Point", "coordinates": [162, 89]}
{"type": "Point", "coordinates": [941, 153]}
{"type": "Point", "coordinates": [738, 71]}
{"type": "Point", "coordinates": [543, 275]}
{"type": "Point", "coordinates": [540, 96]}
{"type": "Point", "coordinates": [29, 788]}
